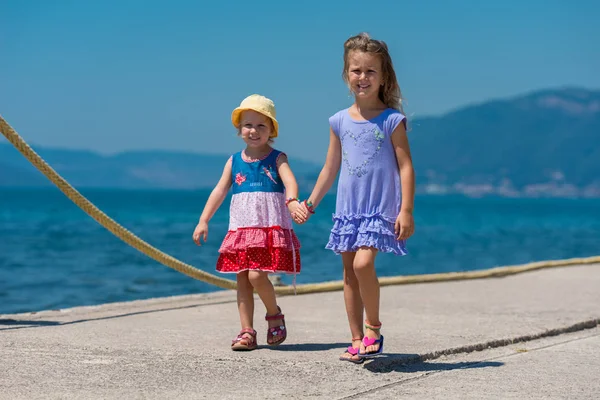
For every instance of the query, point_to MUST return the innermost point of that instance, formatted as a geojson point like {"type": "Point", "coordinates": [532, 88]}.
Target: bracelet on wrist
{"type": "Point", "coordinates": [309, 206]}
{"type": "Point", "coordinates": [290, 199]}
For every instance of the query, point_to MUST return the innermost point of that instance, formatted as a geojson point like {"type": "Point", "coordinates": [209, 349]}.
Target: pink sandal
{"type": "Point", "coordinates": [353, 351]}
{"type": "Point", "coordinates": [250, 342]}
{"type": "Point", "coordinates": [366, 341]}
{"type": "Point", "coordinates": [280, 330]}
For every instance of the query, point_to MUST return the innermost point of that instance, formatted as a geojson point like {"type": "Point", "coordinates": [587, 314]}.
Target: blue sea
{"type": "Point", "coordinates": [53, 255]}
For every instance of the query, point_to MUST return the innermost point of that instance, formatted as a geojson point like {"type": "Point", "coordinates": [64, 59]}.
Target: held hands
{"type": "Point", "coordinates": [201, 231]}
{"type": "Point", "coordinates": [405, 225]}
{"type": "Point", "coordinates": [298, 211]}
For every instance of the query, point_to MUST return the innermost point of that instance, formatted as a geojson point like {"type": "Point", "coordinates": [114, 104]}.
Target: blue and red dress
{"type": "Point", "coordinates": [260, 235]}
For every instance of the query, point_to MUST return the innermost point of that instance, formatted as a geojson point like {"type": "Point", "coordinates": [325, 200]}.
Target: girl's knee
{"type": "Point", "coordinates": [242, 278]}
{"type": "Point", "coordinates": [364, 262]}
{"type": "Point", "coordinates": [257, 278]}
{"type": "Point", "coordinates": [362, 265]}
{"type": "Point", "coordinates": [349, 274]}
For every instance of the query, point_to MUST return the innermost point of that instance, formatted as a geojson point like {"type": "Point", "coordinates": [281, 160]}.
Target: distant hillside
{"type": "Point", "coordinates": [131, 170]}
{"type": "Point", "coordinates": [541, 144]}
{"type": "Point", "coordinates": [544, 143]}
{"type": "Point", "coordinates": [12, 176]}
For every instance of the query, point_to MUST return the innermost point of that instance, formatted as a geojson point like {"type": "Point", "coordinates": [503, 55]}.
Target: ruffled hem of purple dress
{"type": "Point", "coordinates": [351, 232]}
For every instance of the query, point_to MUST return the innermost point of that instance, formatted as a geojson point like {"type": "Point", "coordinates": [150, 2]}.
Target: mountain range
{"type": "Point", "coordinates": [544, 143]}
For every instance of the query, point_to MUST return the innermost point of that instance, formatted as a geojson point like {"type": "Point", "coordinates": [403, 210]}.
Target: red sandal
{"type": "Point", "coordinates": [238, 344]}
{"type": "Point", "coordinates": [280, 330]}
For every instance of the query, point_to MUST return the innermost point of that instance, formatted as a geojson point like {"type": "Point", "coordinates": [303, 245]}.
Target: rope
{"type": "Point", "coordinates": [134, 241]}
{"type": "Point", "coordinates": [103, 219]}
{"type": "Point", "coordinates": [389, 364]}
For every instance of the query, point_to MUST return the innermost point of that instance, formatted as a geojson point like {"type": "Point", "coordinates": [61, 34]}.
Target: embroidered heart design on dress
{"type": "Point", "coordinates": [356, 137]}
{"type": "Point", "coordinates": [361, 140]}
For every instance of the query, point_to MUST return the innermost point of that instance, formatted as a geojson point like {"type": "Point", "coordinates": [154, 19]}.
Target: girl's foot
{"type": "Point", "coordinates": [277, 331]}
{"type": "Point", "coordinates": [371, 343]}
{"type": "Point", "coordinates": [245, 340]}
{"type": "Point", "coordinates": [351, 353]}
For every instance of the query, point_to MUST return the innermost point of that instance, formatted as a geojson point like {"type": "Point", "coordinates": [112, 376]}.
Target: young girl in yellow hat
{"type": "Point", "coordinates": [260, 239]}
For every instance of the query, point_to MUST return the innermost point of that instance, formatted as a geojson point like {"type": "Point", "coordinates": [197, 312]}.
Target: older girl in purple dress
{"type": "Point", "coordinates": [375, 195]}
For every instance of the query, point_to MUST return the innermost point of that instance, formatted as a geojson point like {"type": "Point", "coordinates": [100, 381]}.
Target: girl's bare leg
{"type": "Point", "coordinates": [263, 286]}
{"type": "Point", "coordinates": [364, 268]}
{"type": "Point", "coordinates": [245, 302]}
{"type": "Point", "coordinates": [353, 301]}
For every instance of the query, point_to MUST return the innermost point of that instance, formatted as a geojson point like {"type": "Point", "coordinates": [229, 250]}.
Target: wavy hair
{"type": "Point", "coordinates": [389, 92]}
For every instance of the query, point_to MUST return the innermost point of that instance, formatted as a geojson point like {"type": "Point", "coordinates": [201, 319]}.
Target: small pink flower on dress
{"type": "Point", "coordinates": [239, 178]}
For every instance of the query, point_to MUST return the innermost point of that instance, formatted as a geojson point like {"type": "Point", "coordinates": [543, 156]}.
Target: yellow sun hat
{"type": "Point", "coordinates": [260, 104]}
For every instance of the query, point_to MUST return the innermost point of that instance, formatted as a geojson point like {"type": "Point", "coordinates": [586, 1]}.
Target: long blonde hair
{"type": "Point", "coordinates": [389, 92]}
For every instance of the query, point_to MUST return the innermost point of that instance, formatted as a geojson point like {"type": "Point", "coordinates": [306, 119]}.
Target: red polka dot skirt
{"type": "Point", "coordinates": [272, 249]}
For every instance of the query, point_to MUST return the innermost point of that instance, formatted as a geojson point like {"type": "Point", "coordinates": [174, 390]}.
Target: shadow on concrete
{"type": "Point", "coordinates": [24, 324]}
{"type": "Point", "coordinates": [307, 347]}
{"type": "Point", "coordinates": [411, 363]}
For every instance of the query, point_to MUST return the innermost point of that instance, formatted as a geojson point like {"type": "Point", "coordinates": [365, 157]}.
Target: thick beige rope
{"type": "Point", "coordinates": [389, 364]}
{"type": "Point", "coordinates": [103, 219]}
{"type": "Point", "coordinates": [131, 239]}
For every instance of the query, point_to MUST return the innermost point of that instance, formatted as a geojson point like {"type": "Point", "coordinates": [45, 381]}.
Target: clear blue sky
{"type": "Point", "coordinates": [115, 75]}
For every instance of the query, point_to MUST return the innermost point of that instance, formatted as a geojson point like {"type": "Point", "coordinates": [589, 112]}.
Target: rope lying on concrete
{"type": "Point", "coordinates": [134, 241]}
{"type": "Point", "coordinates": [492, 344]}
{"type": "Point", "coordinates": [386, 365]}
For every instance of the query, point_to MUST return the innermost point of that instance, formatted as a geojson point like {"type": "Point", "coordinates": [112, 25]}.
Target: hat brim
{"type": "Point", "coordinates": [237, 114]}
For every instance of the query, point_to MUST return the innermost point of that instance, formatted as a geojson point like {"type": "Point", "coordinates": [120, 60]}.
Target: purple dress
{"type": "Point", "coordinates": [369, 192]}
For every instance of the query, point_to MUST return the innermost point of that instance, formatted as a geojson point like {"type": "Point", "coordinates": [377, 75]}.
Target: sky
{"type": "Point", "coordinates": [117, 75]}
